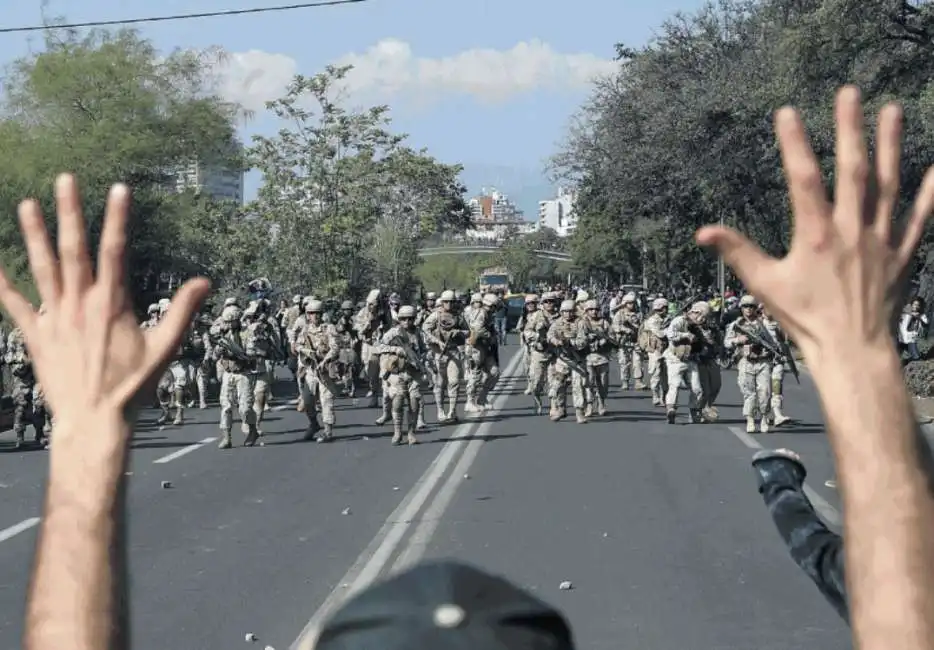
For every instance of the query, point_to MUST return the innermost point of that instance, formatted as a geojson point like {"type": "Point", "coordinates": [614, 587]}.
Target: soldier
{"type": "Point", "coordinates": [402, 351]}
{"type": "Point", "coordinates": [652, 339]}
{"type": "Point", "coordinates": [347, 338]}
{"type": "Point", "coordinates": [529, 306]}
{"type": "Point", "coordinates": [483, 352]}
{"type": "Point", "coordinates": [625, 329]}
{"type": "Point", "coordinates": [237, 379]}
{"type": "Point", "coordinates": [778, 368]}
{"type": "Point", "coordinates": [201, 341]}
{"type": "Point", "coordinates": [685, 344]}
{"type": "Point", "coordinates": [177, 368]}
{"type": "Point", "coordinates": [535, 334]}
{"type": "Point", "coordinates": [446, 332]}
{"type": "Point", "coordinates": [318, 350]}
{"type": "Point", "coordinates": [594, 332]}
{"type": "Point", "coordinates": [261, 345]}
{"type": "Point", "coordinates": [708, 365]}
{"type": "Point", "coordinates": [369, 323]}
{"type": "Point", "coordinates": [291, 315]}
{"type": "Point", "coordinates": [563, 337]}
{"type": "Point", "coordinates": [755, 365]}
{"type": "Point", "coordinates": [23, 384]}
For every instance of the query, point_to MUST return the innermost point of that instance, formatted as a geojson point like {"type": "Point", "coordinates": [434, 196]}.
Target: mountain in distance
{"type": "Point", "coordinates": [525, 186]}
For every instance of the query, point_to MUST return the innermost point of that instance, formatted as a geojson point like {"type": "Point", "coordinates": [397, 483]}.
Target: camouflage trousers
{"type": "Point", "coordinates": [319, 390]}
{"type": "Point", "coordinates": [658, 379]}
{"type": "Point", "coordinates": [449, 372]}
{"type": "Point", "coordinates": [778, 384]}
{"type": "Point", "coordinates": [539, 372]}
{"type": "Point", "coordinates": [563, 376]}
{"type": "Point", "coordinates": [683, 373]}
{"type": "Point", "coordinates": [370, 361]}
{"type": "Point", "coordinates": [237, 388]}
{"type": "Point", "coordinates": [483, 375]}
{"type": "Point", "coordinates": [630, 365]}
{"type": "Point", "coordinates": [755, 383]}
{"type": "Point", "coordinates": [262, 391]}
{"type": "Point", "coordinates": [27, 409]}
{"type": "Point", "coordinates": [598, 384]}
{"type": "Point", "coordinates": [405, 394]}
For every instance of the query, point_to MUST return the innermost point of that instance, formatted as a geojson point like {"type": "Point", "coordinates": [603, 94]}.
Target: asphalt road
{"type": "Point", "coordinates": [659, 528]}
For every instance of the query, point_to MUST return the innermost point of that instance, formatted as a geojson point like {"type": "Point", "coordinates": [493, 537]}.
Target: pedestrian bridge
{"type": "Point", "coordinates": [480, 249]}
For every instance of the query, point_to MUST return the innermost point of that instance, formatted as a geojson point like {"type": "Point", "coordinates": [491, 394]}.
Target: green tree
{"type": "Point", "coordinates": [107, 106]}
{"type": "Point", "coordinates": [681, 135]}
{"type": "Point", "coordinates": [345, 200]}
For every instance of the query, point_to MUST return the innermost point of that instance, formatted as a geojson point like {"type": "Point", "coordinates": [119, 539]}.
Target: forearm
{"type": "Point", "coordinates": [889, 516]}
{"type": "Point", "coordinates": [78, 592]}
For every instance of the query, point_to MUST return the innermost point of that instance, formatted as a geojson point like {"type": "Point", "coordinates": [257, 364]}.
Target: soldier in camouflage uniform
{"type": "Point", "coordinates": [23, 386]}
{"type": "Point", "coordinates": [483, 354]}
{"type": "Point", "coordinates": [447, 354]}
{"type": "Point", "coordinates": [261, 345]}
{"type": "Point", "coordinates": [318, 350]}
{"type": "Point", "coordinates": [686, 345]}
{"type": "Point", "coordinates": [625, 328]}
{"type": "Point", "coordinates": [237, 379]}
{"type": "Point", "coordinates": [202, 358]}
{"type": "Point", "coordinates": [653, 340]}
{"type": "Point", "coordinates": [347, 337]}
{"type": "Point", "coordinates": [563, 338]}
{"type": "Point", "coordinates": [535, 335]}
{"type": "Point", "coordinates": [369, 324]}
{"type": "Point", "coordinates": [594, 332]}
{"type": "Point", "coordinates": [402, 351]}
{"type": "Point", "coordinates": [778, 369]}
{"type": "Point", "coordinates": [755, 365]}
{"type": "Point", "coordinates": [421, 315]}
{"type": "Point", "coordinates": [178, 369]}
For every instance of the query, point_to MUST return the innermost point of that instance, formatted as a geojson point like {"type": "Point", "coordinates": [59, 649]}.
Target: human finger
{"type": "Point", "coordinates": [111, 258]}
{"type": "Point", "coordinates": [749, 261]}
{"type": "Point", "coordinates": [805, 186]}
{"type": "Point", "coordinates": [888, 168]}
{"type": "Point", "coordinates": [914, 229]}
{"type": "Point", "coordinates": [852, 165]}
{"type": "Point", "coordinates": [73, 255]}
{"type": "Point", "coordinates": [42, 262]}
{"type": "Point", "coordinates": [20, 309]}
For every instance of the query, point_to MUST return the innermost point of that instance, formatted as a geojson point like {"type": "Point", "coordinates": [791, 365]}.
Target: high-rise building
{"type": "Point", "coordinates": [558, 213]}
{"type": "Point", "coordinates": [493, 213]}
{"type": "Point", "coordinates": [217, 181]}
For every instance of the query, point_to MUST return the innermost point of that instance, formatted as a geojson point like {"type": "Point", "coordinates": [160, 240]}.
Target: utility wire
{"type": "Point", "coordinates": [162, 19]}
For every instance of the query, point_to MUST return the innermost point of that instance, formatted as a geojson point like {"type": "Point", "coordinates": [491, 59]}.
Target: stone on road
{"type": "Point", "coordinates": [658, 529]}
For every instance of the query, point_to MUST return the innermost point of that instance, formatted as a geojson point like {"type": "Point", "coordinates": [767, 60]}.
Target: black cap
{"type": "Point", "coordinates": [445, 606]}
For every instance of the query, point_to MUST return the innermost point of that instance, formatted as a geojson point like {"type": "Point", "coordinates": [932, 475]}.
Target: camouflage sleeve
{"type": "Point", "coordinates": [677, 330]}
{"type": "Point", "coordinates": [816, 549]}
{"type": "Point", "coordinates": [554, 334]}
{"type": "Point", "coordinates": [729, 339]}
{"type": "Point", "coordinates": [334, 344]}
{"type": "Point", "coordinates": [477, 323]}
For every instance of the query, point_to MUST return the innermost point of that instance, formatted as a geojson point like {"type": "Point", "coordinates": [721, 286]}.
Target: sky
{"type": "Point", "coordinates": [490, 84]}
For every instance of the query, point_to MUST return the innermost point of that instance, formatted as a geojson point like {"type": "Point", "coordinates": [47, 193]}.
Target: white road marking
{"type": "Point", "coordinates": [367, 568]}
{"type": "Point", "coordinates": [183, 451]}
{"type": "Point", "coordinates": [428, 523]}
{"type": "Point", "coordinates": [827, 511]}
{"type": "Point", "coordinates": [21, 527]}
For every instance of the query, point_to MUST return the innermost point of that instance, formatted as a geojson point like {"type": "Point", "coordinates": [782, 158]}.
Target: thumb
{"type": "Point", "coordinates": [747, 260]}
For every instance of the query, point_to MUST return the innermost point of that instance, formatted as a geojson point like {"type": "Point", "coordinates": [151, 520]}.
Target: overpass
{"type": "Point", "coordinates": [481, 249]}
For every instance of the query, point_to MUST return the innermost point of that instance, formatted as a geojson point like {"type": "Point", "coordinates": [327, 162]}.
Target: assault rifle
{"type": "Point", "coordinates": [777, 348]}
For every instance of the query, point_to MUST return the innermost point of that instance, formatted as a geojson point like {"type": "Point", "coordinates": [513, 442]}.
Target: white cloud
{"type": "Point", "coordinates": [391, 69]}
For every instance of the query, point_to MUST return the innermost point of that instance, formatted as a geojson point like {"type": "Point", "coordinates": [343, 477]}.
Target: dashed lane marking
{"type": "Point", "coordinates": [21, 527]}
{"type": "Point", "coordinates": [184, 451]}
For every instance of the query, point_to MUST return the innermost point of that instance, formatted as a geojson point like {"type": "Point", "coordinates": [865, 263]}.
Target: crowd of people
{"type": "Point", "coordinates": [835, 295]}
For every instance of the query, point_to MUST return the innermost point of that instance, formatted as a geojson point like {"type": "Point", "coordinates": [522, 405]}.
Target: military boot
{"type": "Point", "coordinates": [588, 411]}
{"type": "Point", "coordinates": [251, 435]}
{"type": "Point", "coordinates": [411, 439]}
{"type": "Point", "coordinates": [327, 434]}
{"type": "Point", "coordinates": [710, 414]}
{"type": "Point", "coordinates": [601, 406]}
{"type": "Point", "coordinates": [751, 425]}
{"type": "Point", "coordinates": [581, 415]}
{"type": "Point", "coordinates": [420, 424]}
{"type": "Point", "coordinates": [311, 430]}
{"type": "Point", "coordinates": [539, 407]}
{"type": "Point", "coordinates": [779, 417]}
{"type": "Point", "coordinates": [300, 406]}
{"type": "Point", "coordinates": [764, 425]}
{"type": "Point", "coordinates": [471, 406]}
{"type": "Point", "coordinates": [226, 441]}
{"type": "Point", "coordinates": [452, 409]}
{"type": "Point", "coordinates": [397, 434]}
{"type": "Point", "coordinates": [640, 385]}
{"type": "Point", "coordinates": [163, 415]}
{"type": "Point", "coordinates": [557, 413]}
{"type": "Point", "coordinates": [670, 415]}
{"type": "Point", "coordinates": [694, 416]}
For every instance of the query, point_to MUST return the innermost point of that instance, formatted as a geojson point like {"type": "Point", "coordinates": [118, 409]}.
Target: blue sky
{"type": "Point", "coordinates": [489, 84]}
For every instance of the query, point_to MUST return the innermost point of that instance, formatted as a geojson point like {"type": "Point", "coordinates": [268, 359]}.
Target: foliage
{"type": "Point", "coordinates": [457, 272]}
{"type": "Point", "coordinates": [345, 201]}
{"type": "Point", "coordinates": [107, 106]}
{"type": "Point", "coordinates": [681, 135]}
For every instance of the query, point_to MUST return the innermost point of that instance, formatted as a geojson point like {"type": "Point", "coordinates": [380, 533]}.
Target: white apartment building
{"type": "Point", "coordinates": [558, 213]}
{"type": "Point", "coordinates": [493, 215]}
{"type": "Point", "coordinates": [217, 182]}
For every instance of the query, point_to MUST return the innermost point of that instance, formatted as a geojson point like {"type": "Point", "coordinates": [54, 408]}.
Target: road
{"type": "Point", "coordinates": [659, 528]}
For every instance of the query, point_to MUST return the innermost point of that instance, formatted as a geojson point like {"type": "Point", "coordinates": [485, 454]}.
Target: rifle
{"type": "Point", "coordinates": [234, 350]}
{"type": "Point", "coordinates": [777, 348]}
{"type": "Point", "coordinates": [411, 356]}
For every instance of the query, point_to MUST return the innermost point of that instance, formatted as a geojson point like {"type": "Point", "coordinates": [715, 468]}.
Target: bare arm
{"type": "Point", "coordinates": [78, 596]}
{"type": "Point", "coordinates": [889, 513]}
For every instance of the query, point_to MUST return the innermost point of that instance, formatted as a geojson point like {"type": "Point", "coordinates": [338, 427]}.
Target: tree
{"type": "Point", "coordinates": [345, 201]}
{"type": "Point", "coordinates": [107, 106]}
{"type": "Point", "coordinates": [681, 134]}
